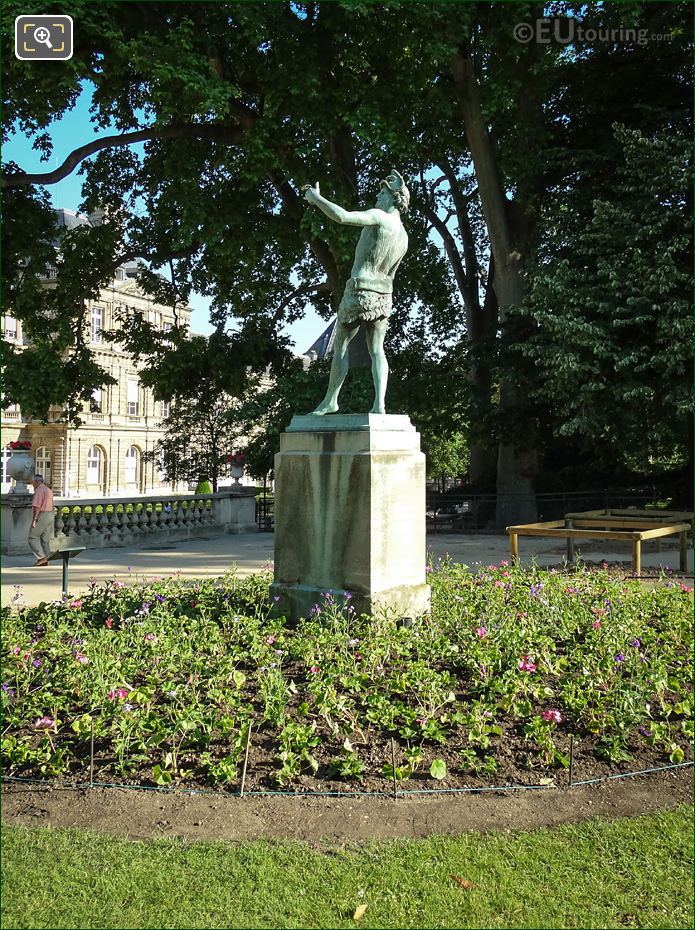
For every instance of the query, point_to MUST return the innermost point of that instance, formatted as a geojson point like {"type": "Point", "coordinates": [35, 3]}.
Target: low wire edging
{"type": "Point", "coordinates": [336, 794]}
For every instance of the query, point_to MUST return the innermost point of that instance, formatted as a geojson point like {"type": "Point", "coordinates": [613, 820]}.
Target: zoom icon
{"type": "Point", "coordinates": [43, 38]}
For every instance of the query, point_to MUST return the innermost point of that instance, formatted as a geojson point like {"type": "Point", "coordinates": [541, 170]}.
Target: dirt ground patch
{"type": "Point", "coordinates": [139, 814]}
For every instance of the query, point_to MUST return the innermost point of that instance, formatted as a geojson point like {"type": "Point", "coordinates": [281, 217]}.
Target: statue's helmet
{"type": "Point", "coordinates": [399, 189]}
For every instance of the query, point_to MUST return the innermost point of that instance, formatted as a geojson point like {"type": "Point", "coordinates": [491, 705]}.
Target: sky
{"type": "Point", "coordinates": [74, 129]}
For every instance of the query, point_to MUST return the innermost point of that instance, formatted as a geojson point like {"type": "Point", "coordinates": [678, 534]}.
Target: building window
{"type": "Point", "coordinates": [132, 466]}
{"type": "Point", "coordinates": [42, 464]}
{"type": "Point", "coordinates": [133, 399]}
{"type": "Point", "coordinates": [166, 409]}
{"type": "Point", "coordinates": [97, 324]}
{"type": "Point", "coordinates": [95, 465]}
{"type": "Point", "coordinates": [9, 327]}
{"type": "Point", "coordinates": [96, 400]}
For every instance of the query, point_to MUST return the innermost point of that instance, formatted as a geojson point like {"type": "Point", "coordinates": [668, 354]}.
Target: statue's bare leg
{"type": "Point", "coordinates": [344, 334]}
{"type": "Point", "coordinates": [376, 331]}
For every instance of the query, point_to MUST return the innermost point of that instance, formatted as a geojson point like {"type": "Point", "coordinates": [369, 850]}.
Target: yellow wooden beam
{"type": "Point", "coordinates": [564, 533]}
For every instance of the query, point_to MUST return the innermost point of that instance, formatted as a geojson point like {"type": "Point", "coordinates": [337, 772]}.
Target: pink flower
{"type": "Point", "coordinates": [314, 669]}
{"type": "Point", "coordinates": [429, 570]}
{"type": "Point", "coordinates": [504, 562]}
{"type": "Point", "coordinates": [16, 650]}
{"type": "Point", "coordinates": [118, 584]}
{"type": "Point", "coordinates": [44, 723]}
{"type": "Point", "coordinates": [150, 638]}
{"type": "Point", "coordinates": [108, 623]}
{"type": "Point", "coordinates": [270, 640]}
{"type": "Point", "coordinates": [117, 693]}
{"type": "Point", "coordinates": [358, 657]}
{"type": "Point", "coordinates": [526, 664]}
{"type": "Point", "coordinates": [553, 716]}
{"type": "Point", "coordinates": [684, 587]}
{"type": "Point", "coordinates": [499, 584]}
{"type": "Point", "coordinates": [81, 658]}
{"type": "Point", "coordinates": [596, 624]}
{"type": "Point", "coordinates": [76, 604]}
{"type": "Point", "coordinates": [481, 632]}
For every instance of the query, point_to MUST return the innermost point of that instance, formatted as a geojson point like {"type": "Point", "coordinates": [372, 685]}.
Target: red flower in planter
{"type": "Point", "coordinates": [20, 444]}
{"type": "Point", "coordinates": [236, 458]}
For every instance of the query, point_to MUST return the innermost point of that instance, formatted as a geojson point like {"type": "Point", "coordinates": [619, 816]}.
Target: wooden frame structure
{"type": "Point", "coordinates": [633, 526]}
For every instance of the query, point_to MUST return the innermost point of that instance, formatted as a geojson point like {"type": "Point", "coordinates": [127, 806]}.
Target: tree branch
{"type": "Point", "coordinates": [232, 134]}
{"type": "Point", "coordinates": [304, 289]}
{"type": "Point", "coordinates": [467, 292]}
{"type": "Point", "coordinates": [461, 202]}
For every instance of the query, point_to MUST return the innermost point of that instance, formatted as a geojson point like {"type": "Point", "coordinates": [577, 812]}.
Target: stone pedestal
{"type": "Point", "coordinates": [350, 514]}
{"type": "Point", "coordinates": [16, 523]}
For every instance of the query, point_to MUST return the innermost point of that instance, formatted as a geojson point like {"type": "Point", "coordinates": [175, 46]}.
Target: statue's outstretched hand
{"type": "Point", "coordinates": [310, 191]}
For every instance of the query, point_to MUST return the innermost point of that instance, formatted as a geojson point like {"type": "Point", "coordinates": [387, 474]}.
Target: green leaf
{"type": "Point", "coordinates": [161, 776]}
{"type": "Point", "coordinates": [438, 769]}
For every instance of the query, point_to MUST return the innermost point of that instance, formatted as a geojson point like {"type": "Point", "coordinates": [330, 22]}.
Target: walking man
{"type": "Point", "coordinates": [41, 532]}
{"type": "Point", "coordinates": [367, 298]}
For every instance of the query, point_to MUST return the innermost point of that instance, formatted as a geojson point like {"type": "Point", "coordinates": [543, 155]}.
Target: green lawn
{"type": "Point", "coordinates": [624, 873]}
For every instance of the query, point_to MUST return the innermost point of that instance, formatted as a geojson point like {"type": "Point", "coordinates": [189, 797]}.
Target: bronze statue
{"type": "Point", "coordinates": [367, 297]}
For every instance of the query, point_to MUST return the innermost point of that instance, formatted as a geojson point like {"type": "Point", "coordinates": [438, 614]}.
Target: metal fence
{"type": "Point", "coordinates": [265, 513]}
{"type": "Point", "coordinates": [458, 511]}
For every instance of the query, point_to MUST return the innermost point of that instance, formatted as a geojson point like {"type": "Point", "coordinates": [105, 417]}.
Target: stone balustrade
{"type": "Point", "coordinates": [132, 521]}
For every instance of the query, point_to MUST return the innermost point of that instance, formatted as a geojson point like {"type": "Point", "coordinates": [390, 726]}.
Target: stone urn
{"type": "Point", "coordinates": [20, 467]}
{"type": "Point", "coordinates": [237, 472]}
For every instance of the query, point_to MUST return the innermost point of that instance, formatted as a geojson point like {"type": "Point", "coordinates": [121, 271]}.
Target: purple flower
{"type": "Point", "coordinates": [644, 731]}
{"type": "Point", "coordinates": [36, 663]}
{"type": "Point", "coordinates": [276, 598]}
{"type": "Point", "coordinates": [6, 688]}
{"type": "Point", "coordinates": [160, 598]}
{"type": "Point", "coordinates": [620, 657]}
{"type": "Point", "coordinates": [315, 611]}
{"type": "Point", "coordinates": [635, 643]}
{"type": "Point", "coordinates": [44, 723]}
{"type": "Point", "coordinates": [536, 589]}
{"type": "Point", "coordinates": [347, 596]}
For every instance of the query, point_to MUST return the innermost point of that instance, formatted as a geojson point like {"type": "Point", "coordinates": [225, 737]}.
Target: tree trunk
{"type": "Point", "coordinates": [482, 333]}
{"type": "Point", "coordinates": [516, 467]}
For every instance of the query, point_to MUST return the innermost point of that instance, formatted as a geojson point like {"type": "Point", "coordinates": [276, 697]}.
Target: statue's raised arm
{"type": "Point", "coordinates": [338, 214]}
{"type": "Point", "coordinates": [367, 297]}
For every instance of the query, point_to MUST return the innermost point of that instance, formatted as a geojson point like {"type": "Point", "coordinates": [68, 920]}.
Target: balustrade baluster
{"type": "Point", "coordinates": [110, 521]}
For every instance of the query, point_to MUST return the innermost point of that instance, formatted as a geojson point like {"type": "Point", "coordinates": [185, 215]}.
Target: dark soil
{"type": "Point", "coordinates": [139, 814]}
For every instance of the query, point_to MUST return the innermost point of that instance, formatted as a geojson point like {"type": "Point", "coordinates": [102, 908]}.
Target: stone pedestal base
{"type": "Point", "coordinates": [16, 523]}
{"type": "Point", "coordinates": [350, 515]}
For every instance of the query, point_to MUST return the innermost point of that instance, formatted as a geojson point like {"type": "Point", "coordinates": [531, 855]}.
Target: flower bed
{"type": "Point", "coordinates": [168, 677]}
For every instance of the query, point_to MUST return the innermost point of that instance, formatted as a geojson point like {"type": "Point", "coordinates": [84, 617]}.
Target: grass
{"type": "Point", "coordinates": [624, 873]}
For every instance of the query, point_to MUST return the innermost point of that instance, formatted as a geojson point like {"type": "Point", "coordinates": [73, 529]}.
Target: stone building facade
{"type": "Point", "coordinates": [104, 456]}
